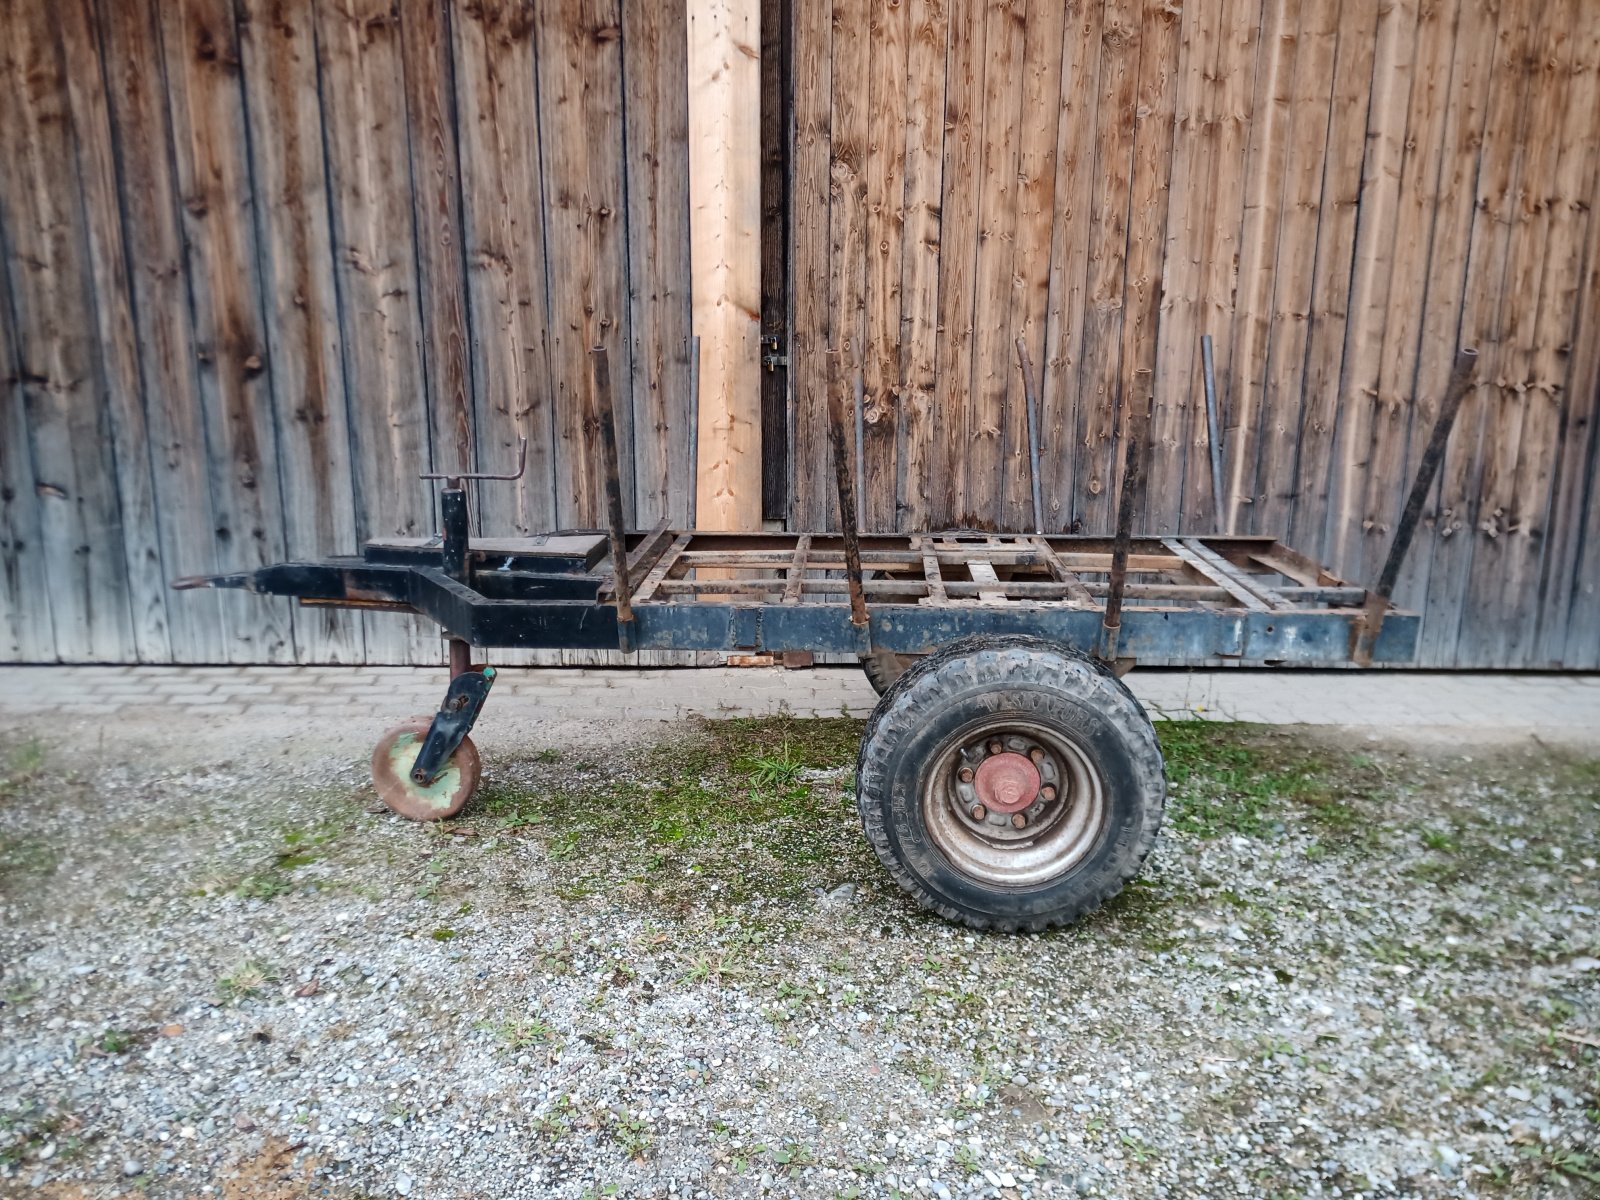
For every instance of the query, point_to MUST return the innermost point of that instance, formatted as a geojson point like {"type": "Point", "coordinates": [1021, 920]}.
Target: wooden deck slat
{"type": "Point", "coordinates": [672, 558]}
{"type": "Point", "coordinates": [1227, 571]}
{"type": "Point", "coordinates": [930, 570]}
{"type": "Point", "coordinates": [644, 556]}
{"type": "Point", "coordinates": [1209, 571]}
{"type": "Point", "coordinates": [1075, 588]}
{"type": "Point", "coordinates": [797, 569]}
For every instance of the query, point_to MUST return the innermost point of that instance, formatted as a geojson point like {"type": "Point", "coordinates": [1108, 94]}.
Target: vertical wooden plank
{"type": "Point", "coordinates": [435, 163]}
{"type": "Point", "coordinates": [586, 251]}
{"type": "Point", "coordinates": [503, 231]}
{"type": "Point", "coordinates": [725, 242]}
{"type": "Point", "coordinates": [27, 629]}
{"type": "Point", "coordinates": [279, 67]}
{"type": "Point", "coordinates": [1230, 96]}
{"type": "Point", "coordinates": [1094, 472]}
{"type": "Point", "coordinates": [1387, 315]}
{"type": "Point", "coordinates": [124, 403]}
{"type": "Point", "coordinates": [884, 161]}
{"type": "Point", "coordinates": [958, 255]}
{"type": "Point", "coordinates": [201, 58]}
{"type": "Point", "coordinates": [1159, 29]}
{"type": "Point", "coordinates": [924, 83]}
{"type": "Point", "coordinates": [1489, 176]}
{"type": "Point", "coordinates": [1196, 124]}
{"type": "Point", "coordinates": [1239, 52]}
{"type": "Point", "coordinates": [1029, 304]}
{"type": "Point", "coordinates": [1466, 109]}
{"type": "Point", "coordinates": [363, 93]}
{"type": "Point", "coordinates": [847, 218]}
{"type": "Point", "coordinates": [1502, 601]}
{"type": "Point", "coordinates": [1061, 371]}
{"type": "Point", "coordinates": [1352, 139]}
{"type": "Point", "coordinates": [60, 368]}
{"type": "Point", "coordinates": [1295, 269]}
{"type": "Point", "coordinates": [1569, 626]}
{"type": "Point", "coordinates": [1242, 389]}
{"type": "Point", "coordinates": [153, 240]}
{"type": "Point", "coordinates": [809, 203]}
{"type": "Point", "coordinates": [1003, 70]}
{"type": "Point", "coordinates": [1563, 387]}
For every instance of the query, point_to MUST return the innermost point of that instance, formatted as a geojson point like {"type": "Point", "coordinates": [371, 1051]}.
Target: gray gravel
{"type": "Point", "coordinates": [223, 970]}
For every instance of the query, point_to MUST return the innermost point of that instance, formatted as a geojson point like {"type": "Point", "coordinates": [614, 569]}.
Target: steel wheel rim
{"type": "Point", "coordinates": [1059, 832]}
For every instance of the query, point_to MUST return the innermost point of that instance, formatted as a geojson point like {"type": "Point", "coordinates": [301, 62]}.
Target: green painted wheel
{"type": "Point", "coordinates": [392, 760]}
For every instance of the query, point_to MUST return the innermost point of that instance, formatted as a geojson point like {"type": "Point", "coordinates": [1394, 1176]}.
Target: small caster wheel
{"type": "Point", "coordinates": [392, 759]}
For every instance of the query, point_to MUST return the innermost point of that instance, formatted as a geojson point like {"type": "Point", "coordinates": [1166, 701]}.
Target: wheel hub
{"type": "Point", "coordinates": [1013, 803]}
{"type": "Point", "coordinates": [1007, 782]}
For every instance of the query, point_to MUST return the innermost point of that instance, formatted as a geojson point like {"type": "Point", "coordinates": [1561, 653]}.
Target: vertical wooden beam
{"type": "Point", "coordinates": [725, 255]}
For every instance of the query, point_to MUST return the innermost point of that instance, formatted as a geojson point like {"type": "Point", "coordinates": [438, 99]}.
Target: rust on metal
{"type": "Point", "coordinates": [1366, 629]}
{"type": "Point", "coordinates": [605, 404]}
{"type": "Point", "coordinates": [1007, 782]}
{"type": "Point", "coordinates": [392, 761]}
{"type": "Point", "coordinates": [844, 477]}
{"type": "Point", "coordinates": [1133, 462]}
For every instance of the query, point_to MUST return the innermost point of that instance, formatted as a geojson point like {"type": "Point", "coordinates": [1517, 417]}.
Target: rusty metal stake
{"type": "Point", "coordinates": [605, 406]}
{"type": "Point", "coordinates": [1370, 623]}
{"type": "Point", "coordinates": [1032, 398]}
{"type": "Point", "coordinates": [1134, 452]}
{"type": "Point", "coordinates": [844, 476]}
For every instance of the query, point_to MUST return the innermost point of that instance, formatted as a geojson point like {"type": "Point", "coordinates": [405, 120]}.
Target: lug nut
{"type": "Point", "coordinates": [1048, 792]}
{"type": "Point", "coordinates": [1037, 755]}
{"type": "Point", "coordinates": [979, 812]}
{"type": "Point", "coordinates": [1019, 820]}
{"type": "Point", "coordinates": [965, 774]}
{"type": "Point", "coordinates": [996, 746]}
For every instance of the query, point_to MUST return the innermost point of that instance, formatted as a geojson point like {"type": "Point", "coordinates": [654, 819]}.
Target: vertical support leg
{"type": "Point", "coordinates": [453, 517]}
{"type": "Point", "coordinates": [460, 657]}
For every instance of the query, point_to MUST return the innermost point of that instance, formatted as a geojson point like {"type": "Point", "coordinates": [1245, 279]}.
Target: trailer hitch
{"type": "Point", "coordinates": [454, 720]}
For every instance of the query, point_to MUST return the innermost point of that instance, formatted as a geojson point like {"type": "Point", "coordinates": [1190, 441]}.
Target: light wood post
{"type": "Point", "coordinates": [725, 256]}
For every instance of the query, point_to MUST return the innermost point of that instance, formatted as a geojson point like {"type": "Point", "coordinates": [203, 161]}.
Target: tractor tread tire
{"type": "Point", "coordinates": [947, 683]}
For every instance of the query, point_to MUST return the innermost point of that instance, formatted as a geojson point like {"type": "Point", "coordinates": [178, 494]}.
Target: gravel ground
{"type": "Point", "coordinates": [1351, 968]}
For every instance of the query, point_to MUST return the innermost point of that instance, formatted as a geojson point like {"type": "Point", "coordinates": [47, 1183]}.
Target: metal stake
{"type": "Point", "coordinates": [1032, 398]}
{"type": "Point", "coordinates": [1213, 436]}
{"type": "Point", "coordinates": [605, 405]}
{"type": "Point", "coordinates": [844, 477]}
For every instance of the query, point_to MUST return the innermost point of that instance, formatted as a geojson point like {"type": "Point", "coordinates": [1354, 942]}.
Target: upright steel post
{"type": "Point", "coordinates": [1370, 623]}
{"type": "Point", "coordinates": [605, 407]}
{"type": "Point", "coordinates": [1032, 398]}
{"type": "Point", "coordinates": [1213, 431]}
{"type": "Point", "coordinates": [1133, 467]}
{"type": "Point", "coordinates": [844, 478]}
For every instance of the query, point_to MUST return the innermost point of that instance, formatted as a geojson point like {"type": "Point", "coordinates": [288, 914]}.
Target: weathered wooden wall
{"type": "Point", "coordinates": [266, 260]}
{"type": "Point", "coordinates": [1339, 191]}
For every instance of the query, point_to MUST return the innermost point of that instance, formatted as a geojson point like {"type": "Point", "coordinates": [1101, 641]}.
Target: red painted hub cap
{"type": "Point", "coordinates": [1007, 782]}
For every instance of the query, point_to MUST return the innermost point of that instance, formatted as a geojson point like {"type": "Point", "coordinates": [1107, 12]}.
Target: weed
{"type": "Point", "coordinates": [967, 1159]}
{"type": "Point", "coordinates": [772, 770]}
{"type": "Point", "coordinates": [117, 1041]}
{"type": "Point", "coordinates": [246, 980]}
{"type": "Point", "coordinates": [520, 1033]}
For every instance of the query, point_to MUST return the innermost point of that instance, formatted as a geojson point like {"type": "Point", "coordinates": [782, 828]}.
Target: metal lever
{"type": "Point", "coordinates": [454, 480]}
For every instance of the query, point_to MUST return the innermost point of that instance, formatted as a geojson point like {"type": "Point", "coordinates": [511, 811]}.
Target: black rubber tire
{"type": "Point", "coordinates": [1045, 685]}
{"type": "Point", "coordinates": [884, 667]}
